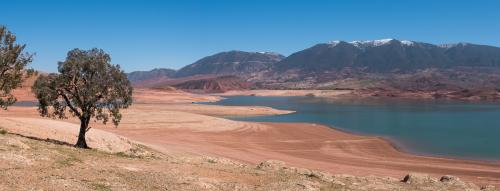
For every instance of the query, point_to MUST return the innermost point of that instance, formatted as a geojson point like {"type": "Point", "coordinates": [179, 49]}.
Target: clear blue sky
{"type": "Point", "coordinates": [141, 35]}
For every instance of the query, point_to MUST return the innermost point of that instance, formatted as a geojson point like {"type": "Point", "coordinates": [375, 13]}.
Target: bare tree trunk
{"type": "Point", "coordinates": [82, 143]}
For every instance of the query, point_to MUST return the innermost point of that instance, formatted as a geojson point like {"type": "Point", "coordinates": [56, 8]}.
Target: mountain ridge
{"type": "Point", "coordinates": [230, 63]}
{"type": "Point", "coordinates": [389, 54]}
{"type": "Point", "coordinates": [386, 64]}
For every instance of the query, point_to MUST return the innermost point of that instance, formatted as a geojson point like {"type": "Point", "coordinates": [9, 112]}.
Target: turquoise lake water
{"type": "Point", "coordinates": [468, 130]}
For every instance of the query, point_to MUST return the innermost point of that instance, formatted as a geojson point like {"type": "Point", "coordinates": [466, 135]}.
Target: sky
{"type": "Point", "coordinates": [147, 34]}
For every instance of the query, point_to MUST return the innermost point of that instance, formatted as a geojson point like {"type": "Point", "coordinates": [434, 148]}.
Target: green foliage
{"type": "Point", "coordinates": [13, 62]}
{"type": "Point", "coordinates": [124, 155]}
{"type": "Point", "coordinates": [100, 186]}
{"type": "Point", "coordinates": [310, 95]}
{"type": "Point", "coordinates": [69, 161]}
{"type": "Point", "coordinates": [87, 86]}
{"type": "Point", "coordinates": [3, 131]}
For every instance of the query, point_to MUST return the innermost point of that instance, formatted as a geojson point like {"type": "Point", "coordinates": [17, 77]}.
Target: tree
{"type": "Point", "coordinates": [13, 61]}
{"type": "Point", "coordinates": [87, 86]}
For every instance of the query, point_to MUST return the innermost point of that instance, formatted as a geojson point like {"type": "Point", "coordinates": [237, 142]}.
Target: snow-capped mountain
{"type": "Point", "coordinates": [385, 64]}
{"type": "Point", "coordinates": [372, 43]}
{"type": "Point", "coordinates": [387, 55]}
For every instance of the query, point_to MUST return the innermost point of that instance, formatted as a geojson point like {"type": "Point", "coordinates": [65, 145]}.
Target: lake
{"type": "Point", "coordinates": [467, 130]}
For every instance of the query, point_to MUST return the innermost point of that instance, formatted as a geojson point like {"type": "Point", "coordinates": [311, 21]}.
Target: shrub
{"type": "Point", "coordinates": [3, 132]}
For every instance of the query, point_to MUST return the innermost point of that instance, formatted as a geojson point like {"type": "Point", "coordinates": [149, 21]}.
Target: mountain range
{"type": "Point", "coordinates": [389, 55]}
{"type": "Point", "coordinates": [386, 64]}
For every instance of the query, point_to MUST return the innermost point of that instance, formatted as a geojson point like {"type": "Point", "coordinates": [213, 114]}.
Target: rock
{"type": "Point", "coordinates": [303, 171]}
{"type": "Point", "coordinates": [455, 181]}
{"type": "Point", "coordinates": [224, 161]}
{"type": "Point", "coordinates": [308, 185]}
{"type": "Point", "coordinates": [449, 178]}
{"type": "Point", "coordinates": [206, 184]}
{"type": "Point", "coordinates": [416, 178]}
{"type": "Point", "coordinates": [344, 176]}
{"type": "Point", "coordinates": [488, 188]}
{"type": "Point", "coordinates": [324, 176]}
{"type": "Point", "coordinates": [336, 182]}
{"type": "Point", "coordinates": [271, 165]}
{"type": "Point", "coordinates": [137, 151]}
{"type": "Point", "coordinates": [274, 165]}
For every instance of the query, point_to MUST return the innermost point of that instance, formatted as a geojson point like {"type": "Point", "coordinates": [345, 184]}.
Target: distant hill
{"type": "Point", "coordinates": [231, 63]}
{"type": "Point", "coordinates": [157, 73]}
{"type": "Point", "coordinates": [214, 85]}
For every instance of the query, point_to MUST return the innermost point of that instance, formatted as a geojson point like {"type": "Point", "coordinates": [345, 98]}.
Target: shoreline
{"type": "Point", "coordinates": [401, 150]}
{"type": "Point", "coordinates": [396, 144]}
{"type": "Point", "coordinates": [313, 146]}
{"type": "Point", "coordinates": [406, 150]}
{"type": "Point", "coordinates": [363, 94]}
{"type": "Point", "coordinates": [399, 146]}
{"type": "Point", "coordinates": [183, 127]}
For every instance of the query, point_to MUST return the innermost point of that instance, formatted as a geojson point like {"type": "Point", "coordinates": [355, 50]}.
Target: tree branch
{"type": "Point", "coordinates": [1, 76]}
{"type": "Point", "coordinates": [68, 102]}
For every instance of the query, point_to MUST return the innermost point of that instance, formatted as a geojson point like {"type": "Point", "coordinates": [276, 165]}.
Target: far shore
{"type": "Point", "coordinates": [285, 93]}
{"type": "Point", "coordinates": [170, 123]}
{"type": "Point", "coordinates": [465, 95]}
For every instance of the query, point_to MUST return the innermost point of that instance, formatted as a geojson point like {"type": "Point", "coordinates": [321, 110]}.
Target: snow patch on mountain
{"type": "Point", "coordinates": [451, 45]}
{"type": "Point", "coordinates": [334, 43]}
{"type": "Point", "coordinates": [372, 43]}
{"type": "Point", "coordinates": [269, 53]}
{"type": "Point", "coordinates": [407, 42]}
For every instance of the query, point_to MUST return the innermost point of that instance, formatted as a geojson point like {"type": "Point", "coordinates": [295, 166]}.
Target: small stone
{"type": "Point", "coordinates": [271, 165]}
{"type": "Point", "coordinates": [324, 176]}
{"type": "Point", "coordinates": [336, 182]}
{"type": "Point", "coordinates": [449, 178]}
{"type": "Point", "coordinates": [309, 186]}
{"type": "Point", "coordinates": [416, 178]}
{"type": "Point", "coordinates": [304, 171]}
{"type": "Point", "coordinates": [488, 188]}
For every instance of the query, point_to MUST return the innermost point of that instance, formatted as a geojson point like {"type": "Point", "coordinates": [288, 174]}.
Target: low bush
{"type": "Point", "coordinates": [310, 95]}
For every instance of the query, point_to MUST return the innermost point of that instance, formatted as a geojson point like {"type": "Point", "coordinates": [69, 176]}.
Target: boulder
{"type": "Point", "coordinates": [308, 185]}
{"type": "Point", "coordinates": [488, 188]}
{"type": "Point", "coordinates": [271, 165]}
{"type": "Point", "coordinates": [324, 176]}
{"type": "Point", "coordinates": [449, 178]}
{"type": "Point", "coordinates": [416, 178]}
{"type": "Point", "coordinates": [302, 171]}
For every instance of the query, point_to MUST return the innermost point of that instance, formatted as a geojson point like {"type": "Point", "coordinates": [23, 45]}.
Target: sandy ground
{"type": "Point", "coordinates": [309, 146]}
{"type": "Point", "coordinates": [172, 125]}
{"type": "Point", "coordinates": [213, 110]}
{"type": "Point", "coordinates": [60, 131]}
{"type": "Point", "coordinates": [171, 96]}
{"type": "Point", "coordinates": [27, 164]}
